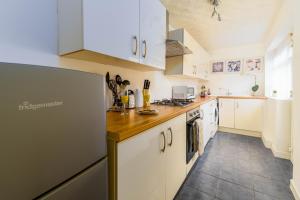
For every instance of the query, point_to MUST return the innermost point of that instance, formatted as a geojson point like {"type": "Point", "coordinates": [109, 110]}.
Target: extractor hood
{"type": "Point", "coordinates": [175, 44]}
{"type": "Point", "coordinates": [176, 48]}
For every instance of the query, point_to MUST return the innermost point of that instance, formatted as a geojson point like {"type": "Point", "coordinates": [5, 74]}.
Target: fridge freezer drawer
{"type": "Point", "coordinates": [91, 185]}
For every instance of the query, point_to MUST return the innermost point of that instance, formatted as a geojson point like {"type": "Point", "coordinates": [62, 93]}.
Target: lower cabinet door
{"type": "Point", "coordinates": [175, 155]}
{"type": "Point", "coordinates": [206, 123]}
{"type": "Point", "coordinates": [249, 114]}
{"type": "Point", "coordinates": [226, 113]}
{"type": "Point", "coordinates": [141, 167]}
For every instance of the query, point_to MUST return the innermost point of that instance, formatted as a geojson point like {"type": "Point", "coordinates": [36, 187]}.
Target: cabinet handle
{"type": "Point", "coordinates": [164, 148]}
{"type": "Point", "coordinates": [171, 142]}
{"type": "Point", "coordinates": [136, 45]}
{"type": "Point", "coordinates": [237, 105]}
{"type": "Point", "coordinates": [145, 48]}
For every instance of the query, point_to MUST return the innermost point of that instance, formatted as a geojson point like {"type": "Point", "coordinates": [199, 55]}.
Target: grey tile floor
{"type": "Point", "coordinates": [236, 167]}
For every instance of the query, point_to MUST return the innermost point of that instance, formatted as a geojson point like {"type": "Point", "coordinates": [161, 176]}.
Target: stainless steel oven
{"type": "Point", "coordinates": [192, 133]}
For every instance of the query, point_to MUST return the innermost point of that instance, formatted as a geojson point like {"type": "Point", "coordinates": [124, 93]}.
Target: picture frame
{"type": "Point", "coordinates": [218, 66]}
{"type": "Point", "coordinates": [234, 66]}
{"type": "Point", "coordinates": [254, 65]}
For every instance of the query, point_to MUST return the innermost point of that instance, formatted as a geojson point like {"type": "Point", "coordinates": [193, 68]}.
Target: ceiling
{"type": "Point", "coordinates": [243, 22]}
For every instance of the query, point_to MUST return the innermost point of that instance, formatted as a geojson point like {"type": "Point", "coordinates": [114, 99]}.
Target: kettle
{"type": "Point", "coordinates": [139, 101]}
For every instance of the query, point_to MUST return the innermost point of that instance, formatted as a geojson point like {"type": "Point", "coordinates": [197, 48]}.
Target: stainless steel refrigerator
{"type": "Point", "coordinates": [52, 134]}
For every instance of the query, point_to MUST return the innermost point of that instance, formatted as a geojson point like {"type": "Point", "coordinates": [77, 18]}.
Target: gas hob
{"type": "Point", "coordinates": [173, 102]}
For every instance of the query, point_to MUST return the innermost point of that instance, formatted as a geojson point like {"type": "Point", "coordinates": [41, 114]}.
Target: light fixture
{"type": "Point", "coordinates": [216, 3]}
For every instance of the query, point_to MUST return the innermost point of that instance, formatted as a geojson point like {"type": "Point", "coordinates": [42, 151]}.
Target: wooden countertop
{"type": "Point", "coordinates": [120, 127]}
{"type": "Point", "coordinates": [243, 97]}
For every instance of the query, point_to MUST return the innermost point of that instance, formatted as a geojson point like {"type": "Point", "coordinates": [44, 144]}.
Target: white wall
{"type": "Point", "coordinates": [28, 32]}
{"type": "Point", "coordinates": [296, 101]}
{"type": "Point", "coordinates": [277, 127]}
{"type": "Point", "coordinates": [238, 84]}
{"type": "Point", "coordinates": [281, 27]}
{"type": "Point", "coordinates": [28, 35]}
{"type": "Point", "coordinates": [161, 86]}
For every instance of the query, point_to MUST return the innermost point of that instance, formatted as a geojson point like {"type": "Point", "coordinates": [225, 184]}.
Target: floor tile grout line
{"type": "Point", "coordinates": [195, 188]}
{"type": "Point", "coordinates": [259, 153]}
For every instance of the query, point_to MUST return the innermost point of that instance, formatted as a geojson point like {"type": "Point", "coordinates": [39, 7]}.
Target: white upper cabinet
{"type": "Point", "coordinates": [191, 65]}
{"type": "Point", "coordinates": [152, 33]}
{"type": "Point", "coordinates": [114, 30]}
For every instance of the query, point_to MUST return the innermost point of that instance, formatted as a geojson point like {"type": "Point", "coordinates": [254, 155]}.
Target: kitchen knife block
{"type": "Point", "coordinates": [146, 97]}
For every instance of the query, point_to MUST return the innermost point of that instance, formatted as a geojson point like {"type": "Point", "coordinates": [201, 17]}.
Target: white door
{"type": "Point", "coordinates": [152, 33]}
{"type": "Point", "coordinates": [141, 166]}
{"type": "Point", "coordinates": [112, 28]}
{"type": "Point", "coordinates": [226, 113]}
{"type": "Point", "coordinates": [249, 114]}
{"type": "Point", "coordinates": [175, 155]}
{"type": "Point", "coordinates": [206, 122]}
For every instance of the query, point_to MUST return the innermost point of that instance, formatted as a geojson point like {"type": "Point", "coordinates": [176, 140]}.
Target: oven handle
{"type": "Point", "coordinates": [194, 119]}
{"type": "Point", "coordinates": [164, 148]}
{"type": "Point", "coordinates": [171, 142]}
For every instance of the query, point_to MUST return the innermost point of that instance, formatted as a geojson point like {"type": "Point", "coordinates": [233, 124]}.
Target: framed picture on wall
{"type": "Point", "coordinates": [253, 65]}
{"type": "Point", "coordinates": [234, 66]}
{"type": "Point", "coordinates": [218, 66]}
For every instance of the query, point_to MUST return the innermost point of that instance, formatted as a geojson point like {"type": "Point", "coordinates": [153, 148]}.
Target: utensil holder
{"type": "Point", "coordinates": [146, 98]}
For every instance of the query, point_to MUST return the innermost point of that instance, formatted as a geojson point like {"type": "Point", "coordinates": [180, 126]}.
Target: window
{"type": "Point", "coordinates": [279, 70]}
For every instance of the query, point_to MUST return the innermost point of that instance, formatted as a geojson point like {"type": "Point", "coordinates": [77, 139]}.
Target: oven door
{"type": "Point", "coordinates": [192, 139]}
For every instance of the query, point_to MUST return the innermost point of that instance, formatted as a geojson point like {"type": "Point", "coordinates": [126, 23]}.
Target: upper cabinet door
{"type": "Point", "coordinates": [226, 113]}
{"type": "Point", "coordinates": [152, 33]}
{"type": "Point", "coordinates": [112, 28]}
{"type": "Point", "coordinates": [249, 114]}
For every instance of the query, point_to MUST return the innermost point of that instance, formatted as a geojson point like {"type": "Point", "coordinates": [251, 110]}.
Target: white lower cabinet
{"type": "Point", "coordinates": [151, 165]}
{"type": "Point", "coordinates": [244, 114]}
{"type": "Point", "coordinates": [249, 114]}
{"type": "Point", "coordinates": [209, 123]}
{"type": "Point", "coordinates": [226, 113]}
{"type": "Point", "coordinates": [206, 123]}
{"type": "Point", "coordinates": [175, 156]}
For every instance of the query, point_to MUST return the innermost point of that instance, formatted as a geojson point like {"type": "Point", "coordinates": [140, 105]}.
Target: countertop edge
{"type": "Point", "coordinates": [119, 137]}
{"type": "Point", "coordinates": [242, 97]}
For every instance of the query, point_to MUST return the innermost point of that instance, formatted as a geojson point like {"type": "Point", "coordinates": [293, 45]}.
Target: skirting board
{"type": "Point", "coordinates": [241, 132]}
{"type": "Point", "coordinates": [267, 143]}
{"type": "Point", "coordinates": [280, 154]}
{"type": "Point", "coordinates": [294, 190]}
